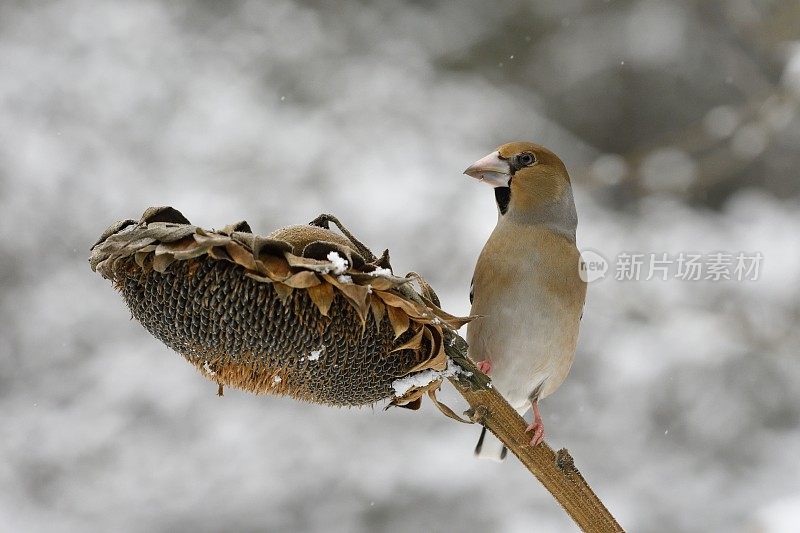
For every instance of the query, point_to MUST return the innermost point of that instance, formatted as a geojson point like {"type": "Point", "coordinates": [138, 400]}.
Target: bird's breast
{"type": "Point", "coordinates": [529, 294]}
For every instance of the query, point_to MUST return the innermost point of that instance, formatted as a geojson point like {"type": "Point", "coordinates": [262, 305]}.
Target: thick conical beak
{"type": "Point", "coordinates": [491, 169]}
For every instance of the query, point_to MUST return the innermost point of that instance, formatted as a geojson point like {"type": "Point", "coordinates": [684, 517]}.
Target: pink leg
{"type": "Point", "coordinates": [484, 366]}
{"type": "Point", "coordinates": [537, 426]}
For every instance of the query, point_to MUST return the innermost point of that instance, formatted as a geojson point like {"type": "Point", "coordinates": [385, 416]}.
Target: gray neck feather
{"type": "Point", "coordinates": [559, 215]}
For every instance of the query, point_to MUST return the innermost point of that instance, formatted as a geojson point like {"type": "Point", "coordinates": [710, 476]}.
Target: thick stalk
{"type": "Point", "coordinates": [555, 470]}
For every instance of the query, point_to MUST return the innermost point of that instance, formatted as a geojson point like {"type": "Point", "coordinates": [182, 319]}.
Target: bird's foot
{"type": "Point", "coordinates": [484, 366]}
{"type": "Point", "coordinates": [537, 426]}
{"type": "Point", "coordinates": [538, 432]}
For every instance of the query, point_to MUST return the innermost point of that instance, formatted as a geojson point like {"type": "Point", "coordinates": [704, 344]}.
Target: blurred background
{"type": "Point", "coordinates": [678, 121]}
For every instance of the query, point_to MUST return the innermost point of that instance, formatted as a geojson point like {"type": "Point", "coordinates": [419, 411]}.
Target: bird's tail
{"type": "Point", "coordinates": [490, 447]}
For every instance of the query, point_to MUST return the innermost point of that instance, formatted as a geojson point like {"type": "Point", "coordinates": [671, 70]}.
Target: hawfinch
{"type": "Point", "coordinates": [527, 289]}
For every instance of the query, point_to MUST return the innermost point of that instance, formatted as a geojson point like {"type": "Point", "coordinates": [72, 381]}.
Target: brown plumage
{"type": "Point", "coordinates": [526, 287]}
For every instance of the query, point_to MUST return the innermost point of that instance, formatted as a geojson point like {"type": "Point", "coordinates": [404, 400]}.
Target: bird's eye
{"type": "Point", "coordinates": [526, 159]}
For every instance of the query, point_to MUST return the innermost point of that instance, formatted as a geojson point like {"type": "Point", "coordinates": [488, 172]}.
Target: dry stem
{"type": "Point", "coordinates": [556, 471]}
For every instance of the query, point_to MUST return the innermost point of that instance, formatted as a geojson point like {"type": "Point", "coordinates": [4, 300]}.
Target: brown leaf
{"type": "Point", "coordinates": [263, 246]}
{"type": "Point", "coordinates": [276, 267]}
{"type": "Point", "coordinates": [426, 291]}
{"type": "Point", "coordinates": [120, 246]}
{"type": "Point", "coordinates": [241, 226]}
{"type": "Point", "coordinates": [447, 411]}
{"type": "Point", "coordinates": [455, 322]}
{"type": "Point", "coordinates": [219, 253]}
{"type": "Point", "coordinates": [378, 310]}
{"type": "Point", "coordinates": [283, 291]}
{"type": "Point", "coordinates": [355, 294]}
{"type": "Point", "coordinates": [322, 295]}
{"type": "Point", "coordinates": [399, 320]}
{"type": "Point", "coordinates": [161, 262]}
{"type": "Point", "coordinates": [140, 258]}
{"type": "Point", "coordinates": [165, 232]}
{"type": "Point", "coordinates": [210, 239]}
{"type": "Point", "coordinates": [258, 277]}
{"type": "Point", "coordinates": [382, 284]}
{"type": "Point", "coordinates": [412, 398]}
{"type": "Point", "coordinates": [175, 246]}
{"type": "Point", "coordinates": [163, 214]}
{"type": "Point", "coordinates": [437, 358]}
{"type": "Point", "coordinates": [114, 228]}
{"type": "Point", "coordinates": [185, 248]}
{"type": "Point", "coordinates": [412, 309]}
{"type": "Point", "coordinates": [303, 280]}
{"type": "Point", "coordinates": [240, 255]}
{"type": "Point", "coordinates": [191, 253]}
{"type": "Point", "coordinates": [414, 343]}
{"type": "Point", "coordinates": [317, 265]}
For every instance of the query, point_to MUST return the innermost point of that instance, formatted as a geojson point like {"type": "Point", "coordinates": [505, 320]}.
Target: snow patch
{"type": "Point", "coordinates": [426, 377]}
{"type": "Point", "coordinates": [339, 263]}
{"type": "Point", "coordinates": [344, 278]}
{"type": "Point", "coordinates": [420, 379]}
{"type": "Point", "coordinates": [381, 272]}
{"type": "Point", "coordinates": [314, 355]}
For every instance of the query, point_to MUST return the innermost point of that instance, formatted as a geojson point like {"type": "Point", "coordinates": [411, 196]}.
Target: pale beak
{"type": "Point", "coordinates": [491, 169]}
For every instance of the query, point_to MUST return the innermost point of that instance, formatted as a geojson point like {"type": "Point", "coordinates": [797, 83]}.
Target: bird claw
{"type": "Point", "coordinates": [538, 432]}
{"type": "Point", "coordinates": [484, 366]}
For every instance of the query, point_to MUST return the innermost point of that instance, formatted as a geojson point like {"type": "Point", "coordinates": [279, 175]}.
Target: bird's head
{"type": "Point", "coordinates": [525, 176]}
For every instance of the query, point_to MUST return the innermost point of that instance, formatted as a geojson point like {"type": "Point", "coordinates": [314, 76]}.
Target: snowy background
{"type": "Point", "coordinates": [678, 120]}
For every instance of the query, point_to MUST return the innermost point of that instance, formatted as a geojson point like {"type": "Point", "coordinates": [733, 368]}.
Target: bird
{"type": "Point", "coordinates": [527, 289]}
